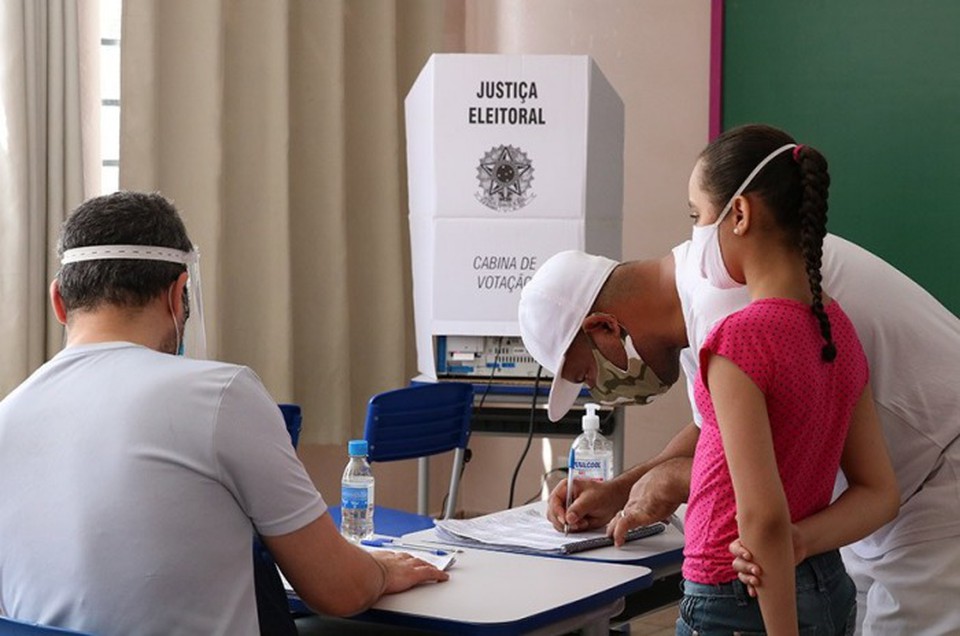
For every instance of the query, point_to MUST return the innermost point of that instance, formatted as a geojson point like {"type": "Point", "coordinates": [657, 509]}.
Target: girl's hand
{"type": "Point", "coordinates": [749, 573]}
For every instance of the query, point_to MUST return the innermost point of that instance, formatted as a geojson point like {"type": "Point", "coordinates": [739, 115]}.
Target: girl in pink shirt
{"type": "Point", "coordinates": [784, 397]}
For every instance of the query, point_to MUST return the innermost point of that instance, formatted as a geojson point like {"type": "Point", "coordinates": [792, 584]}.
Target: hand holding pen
{"type": "Point", "coordinates": [581, 504]}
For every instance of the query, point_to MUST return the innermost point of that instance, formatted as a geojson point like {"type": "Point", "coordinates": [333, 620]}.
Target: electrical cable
{"type": "Point", "coordinates": [543, 480]}
{"type": "Point", "coordinates": [526, 448]}
{"type": "Point", "coordinates": [493, 371]}
{"type": "Point", "coordinates": [607, 417]}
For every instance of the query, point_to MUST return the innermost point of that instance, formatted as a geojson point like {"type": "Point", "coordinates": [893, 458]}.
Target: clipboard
{"type": "Point", "coordinates": [601, 542]}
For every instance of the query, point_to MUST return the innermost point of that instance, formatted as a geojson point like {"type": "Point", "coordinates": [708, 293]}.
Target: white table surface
{"type": "Point", "coordinates": [504, 593]}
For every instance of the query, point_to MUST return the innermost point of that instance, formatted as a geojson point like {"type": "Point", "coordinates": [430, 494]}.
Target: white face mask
{"type": "Point", "coordinates": [180, 349]}
{"type": "Point", "coordinates": [705, 239]}
{"type": "Point", "coordinates": [706, 243]}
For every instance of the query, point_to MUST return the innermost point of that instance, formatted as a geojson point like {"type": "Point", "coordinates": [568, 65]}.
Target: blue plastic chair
{"type": "Point", "coordinates": [293, 418]}
{"type": "Point", "coordinates": [13, 627]}
{"type": "Point", "coordinates": [417, 422]}
{"type": "Point", "coordinates": [273, 603]}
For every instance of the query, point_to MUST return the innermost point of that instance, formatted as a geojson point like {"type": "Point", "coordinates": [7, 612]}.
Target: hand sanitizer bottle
{"type": "Point", "coordinates": [591, 456]}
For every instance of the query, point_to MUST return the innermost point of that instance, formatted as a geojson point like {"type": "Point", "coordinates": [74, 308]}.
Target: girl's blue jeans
{"type": "Point", "coordinates": [826, 603]}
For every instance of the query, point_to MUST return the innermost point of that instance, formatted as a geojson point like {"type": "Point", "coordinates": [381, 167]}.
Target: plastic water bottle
{"type": "Point", "coordinates": [356, 494]}
{"type": "Point", "coordinates": [591, 456]}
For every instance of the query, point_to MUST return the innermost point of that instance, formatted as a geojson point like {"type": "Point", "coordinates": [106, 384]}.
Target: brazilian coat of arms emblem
{"type": "Point", "coordinates": [505, 174]}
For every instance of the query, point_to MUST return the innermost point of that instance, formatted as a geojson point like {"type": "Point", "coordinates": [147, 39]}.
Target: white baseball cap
{"type": "Point", "coordinates": [552, 308]}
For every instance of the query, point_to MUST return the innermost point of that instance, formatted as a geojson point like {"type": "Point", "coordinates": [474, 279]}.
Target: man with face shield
{"type": "Point", "coordinates": [134, 479]}
{"type": "Point", "coordinates": [907, 571]}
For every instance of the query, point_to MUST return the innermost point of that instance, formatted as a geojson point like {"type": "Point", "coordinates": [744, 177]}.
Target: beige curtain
{"type": "Point", "coordinates": [277, 128]}
{"type": "Point", "coordinates": [48, 127]}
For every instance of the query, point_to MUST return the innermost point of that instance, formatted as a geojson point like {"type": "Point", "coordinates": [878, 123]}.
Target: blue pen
{"type": "Point", "coordinates": [570, 465]}
{"type": "Point", "coordinates": [386, 542]}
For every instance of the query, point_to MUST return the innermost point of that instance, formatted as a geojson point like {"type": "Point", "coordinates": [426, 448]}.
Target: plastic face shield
{"type": "Point", "coordinates": [194, 337]}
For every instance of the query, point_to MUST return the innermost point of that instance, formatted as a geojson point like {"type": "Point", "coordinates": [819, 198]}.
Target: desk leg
{"type": "Point", "coordinates": [619, 423]}
{"type": "Point", "coordinates": [423, 485]}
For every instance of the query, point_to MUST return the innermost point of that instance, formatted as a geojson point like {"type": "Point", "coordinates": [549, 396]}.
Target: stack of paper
{"type": "Point", "coordinates": [525, 529]}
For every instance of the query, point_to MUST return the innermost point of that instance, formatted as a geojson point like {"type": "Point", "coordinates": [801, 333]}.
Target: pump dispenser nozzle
{"type": "Point", "coordinates": [591, 422]}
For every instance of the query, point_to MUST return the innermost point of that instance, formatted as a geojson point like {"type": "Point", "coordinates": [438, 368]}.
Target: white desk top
{"type": "Point", "coordinates": [504, 593]}
{"type": "Point", "coordinates": [493, 593]}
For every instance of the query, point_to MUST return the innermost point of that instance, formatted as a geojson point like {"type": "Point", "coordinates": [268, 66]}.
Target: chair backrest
{"type": "Point", "coordinates": [293, 418]}
{"type": "Point", "coordinates": [418, 421]}
{"type": "Point", "coordinates": [13, 627]}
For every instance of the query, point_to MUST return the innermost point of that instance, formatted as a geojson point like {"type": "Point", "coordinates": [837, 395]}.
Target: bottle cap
{"type": "Point", "coordinates": [357, 447]}
{"type": "Point", "coordinates": [590, 421]}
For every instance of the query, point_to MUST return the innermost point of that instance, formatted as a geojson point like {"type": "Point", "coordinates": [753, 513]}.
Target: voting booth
{"type": "Point", "coordinates": [510, 159]}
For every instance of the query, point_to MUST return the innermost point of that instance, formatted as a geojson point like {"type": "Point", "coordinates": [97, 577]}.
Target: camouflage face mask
{"type": "Point", "coordinates": [637, 384]}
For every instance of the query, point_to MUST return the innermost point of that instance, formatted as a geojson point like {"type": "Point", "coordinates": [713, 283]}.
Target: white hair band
{"type": "Point", "coordinates": [132, 252]}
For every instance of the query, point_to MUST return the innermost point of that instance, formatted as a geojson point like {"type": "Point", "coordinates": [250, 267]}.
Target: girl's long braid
{"type": "Point", "coordinates": [813, 227]}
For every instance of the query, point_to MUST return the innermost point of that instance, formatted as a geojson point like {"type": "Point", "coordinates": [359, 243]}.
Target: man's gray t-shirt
{"type": "Point", "coordinates": [132, 484]}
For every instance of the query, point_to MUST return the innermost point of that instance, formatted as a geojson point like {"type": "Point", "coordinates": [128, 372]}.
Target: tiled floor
{"type": "Point", "coordinates": [659, 623]}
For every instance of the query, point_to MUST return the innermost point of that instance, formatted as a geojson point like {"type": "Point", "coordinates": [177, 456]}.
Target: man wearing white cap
{"type": "Point", "coordinates": [134, 479]}
{"type": "Point", "coordinates": [575, 316]}
{"type": "Point", "coordinates": [574, 289]}
{"type": "Point", "coordinates": [618, 329]}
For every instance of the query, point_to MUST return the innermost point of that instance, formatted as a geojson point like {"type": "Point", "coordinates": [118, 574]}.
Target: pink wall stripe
{"type": "Point", "coordinates": [716, 67]}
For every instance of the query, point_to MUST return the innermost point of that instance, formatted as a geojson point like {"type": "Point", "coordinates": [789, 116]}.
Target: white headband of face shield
{"type": "Point", "coordinates": [194, 336]}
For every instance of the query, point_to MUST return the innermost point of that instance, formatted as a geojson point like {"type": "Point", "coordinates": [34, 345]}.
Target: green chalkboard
{"type": "Point", "coordinates": [875, 85]}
